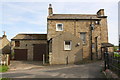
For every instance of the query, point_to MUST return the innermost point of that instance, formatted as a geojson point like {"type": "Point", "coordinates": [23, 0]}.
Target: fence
{"type": "Point", "coordinates": [4, 59]}
{"type": "Point", "coordinates": [113, 63]}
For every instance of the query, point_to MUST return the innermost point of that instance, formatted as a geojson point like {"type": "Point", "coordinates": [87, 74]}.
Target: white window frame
{"type": "Point", "coordinates": [97, 22]}
{"type": "Point", "coordinates": [93, 45]}
{"type": "Point", "coordinates": [70, 45]}
{"type": "Point", "coordinates": [57, 27]}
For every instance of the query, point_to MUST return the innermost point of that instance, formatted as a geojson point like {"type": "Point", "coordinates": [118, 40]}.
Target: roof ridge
{"type": "Point", "coordinates": [29, 34]}
{"type": "Point", "coordinates": [75, 14]}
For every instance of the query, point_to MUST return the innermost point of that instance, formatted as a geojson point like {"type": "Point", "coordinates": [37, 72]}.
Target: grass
{"type": "Point", "coordinates": [3, 68]}
{"type": "Point", "coordinates": [5, 79]}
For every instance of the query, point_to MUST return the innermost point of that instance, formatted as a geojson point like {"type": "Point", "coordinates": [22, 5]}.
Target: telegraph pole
{"type": "Point", "coordinates": [91, 28]}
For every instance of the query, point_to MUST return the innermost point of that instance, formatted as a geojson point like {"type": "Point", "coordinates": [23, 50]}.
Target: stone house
{"type": "Point", "coordinates": [4, 50]}
{"type": "Point", "coordinates": [4, 45]}
{"type": "Point", "coordinates": [69, 39]}
{"type": "Point", "coordinates": [90, 28]}
{"type": "Point", "coordinates": [29, 46]}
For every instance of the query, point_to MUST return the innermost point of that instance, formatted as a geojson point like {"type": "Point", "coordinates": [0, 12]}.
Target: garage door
{"type": "Point", "coordinates": [20, 54]}
{"type": "Point", "coordinates": [38, 51]}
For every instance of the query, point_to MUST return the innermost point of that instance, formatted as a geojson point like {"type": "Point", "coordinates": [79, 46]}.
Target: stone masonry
{"type": "Point", "coordinates": [77, 23]}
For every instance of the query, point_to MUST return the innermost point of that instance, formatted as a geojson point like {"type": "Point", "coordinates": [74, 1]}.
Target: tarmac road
{"type": "Point", "coordinates": [91, 70]}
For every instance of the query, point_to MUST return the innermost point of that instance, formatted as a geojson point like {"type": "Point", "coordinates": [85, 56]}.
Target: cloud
{"type": "Point", "coordinates": [19, 19]}
{"type": "Point", "coordinates": [30, 16]}
{"type": "Point", "coordinates": [17, 14]}
{"type": "Point", "coordinates": [21, 8]}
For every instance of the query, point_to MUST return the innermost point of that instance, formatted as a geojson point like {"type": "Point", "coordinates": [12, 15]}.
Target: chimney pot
{"type": "Point", "coordinates": [50, 10]}
{"type": "Point", "coordinates": [50, 5]}
{"type": "Point", "coordinates": [4, 34]}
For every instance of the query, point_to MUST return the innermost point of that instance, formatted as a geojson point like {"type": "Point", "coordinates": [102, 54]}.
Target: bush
{"type": "Point", "coordinates": [116, 48]}
{"type": "Point", "coordinates": [116, 54]}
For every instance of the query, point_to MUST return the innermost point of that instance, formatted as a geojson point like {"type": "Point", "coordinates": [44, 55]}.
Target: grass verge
{"type": "Point", "coordinates": [3, 68]}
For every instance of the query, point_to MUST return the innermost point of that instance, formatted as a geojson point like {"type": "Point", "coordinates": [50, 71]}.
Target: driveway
{"type": "Point", "coordinates": [22, 65]}
{"type": "Point", "coordinates": [91, 70]}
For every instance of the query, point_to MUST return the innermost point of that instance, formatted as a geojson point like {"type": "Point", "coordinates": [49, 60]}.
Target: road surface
{"type": "Point", "coordinates": [91, 70]}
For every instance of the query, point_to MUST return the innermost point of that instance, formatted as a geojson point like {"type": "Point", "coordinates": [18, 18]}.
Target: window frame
{"type": "Point", "coordinates": [93, 45]}
{"type": "Point", "coordinates": [97, 22]}
{"type": "Point", "coordinates": [17, 43]}
{"type": "Point", "coordinates": [57, 27]}
{"type": "Point", "coordinates": [70, 45]}
{"type": "Point", "coordinates": [85, 37]}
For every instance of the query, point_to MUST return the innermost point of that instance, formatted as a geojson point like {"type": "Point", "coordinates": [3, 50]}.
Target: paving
{"type": "Point", "coordinates": [91, 70]}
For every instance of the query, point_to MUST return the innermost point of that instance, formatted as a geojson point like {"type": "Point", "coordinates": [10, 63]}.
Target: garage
{"type": "Point", "coordinates": [38, 51]}
{"type": "Point", "coordinates": [20, 54]}
{"type": "Point", "coordinates": [29, 46]}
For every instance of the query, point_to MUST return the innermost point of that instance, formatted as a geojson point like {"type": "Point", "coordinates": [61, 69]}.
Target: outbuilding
{"type": "Point", "coordinates": [29, 46]}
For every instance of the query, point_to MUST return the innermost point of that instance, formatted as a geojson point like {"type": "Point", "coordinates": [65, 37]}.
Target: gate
{"type": "Point", "coordinates": [112, 62]}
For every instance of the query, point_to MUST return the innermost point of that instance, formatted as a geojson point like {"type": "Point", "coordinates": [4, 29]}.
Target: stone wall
{"type": "Point", "coordinates": [101, 32]}
{"type": "Point", "coordinates": [72, 26]}
{"type": "Point", "coordinates": [61, 56]}
{"type": "Point", "coordinates": [77, 26]}
{"type": "Point", "coordinates": [4, 59]}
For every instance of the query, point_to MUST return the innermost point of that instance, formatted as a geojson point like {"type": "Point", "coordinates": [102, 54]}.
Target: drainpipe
{"type": "Point", "coordinates": [75, 27]}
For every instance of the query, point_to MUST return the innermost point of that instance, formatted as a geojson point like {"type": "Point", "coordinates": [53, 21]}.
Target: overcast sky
{"type": "Point", "coordinates": [30, 16]}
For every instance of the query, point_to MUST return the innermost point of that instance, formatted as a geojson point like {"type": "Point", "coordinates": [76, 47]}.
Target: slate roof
{"type": "Point", "coordinates": [74, 16]}
{"type": "Point", "coordinates": [107, 45]}
{"type": "Point", "coordinates": [30, 37]}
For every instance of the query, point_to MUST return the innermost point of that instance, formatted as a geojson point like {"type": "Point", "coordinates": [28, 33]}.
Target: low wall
{"type": "Point", "coordinates": [4, 59]}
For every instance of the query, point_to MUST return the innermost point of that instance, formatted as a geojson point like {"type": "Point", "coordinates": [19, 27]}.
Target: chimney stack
{"type": "Point", "coordinates": [50, 11]}
{"type": "Point", "coordinates": [4, 35]}
{"type": "Point", "coordinates": [100, 12]}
